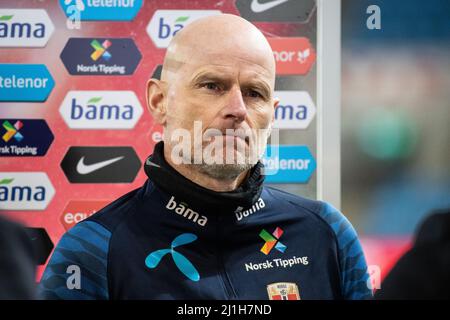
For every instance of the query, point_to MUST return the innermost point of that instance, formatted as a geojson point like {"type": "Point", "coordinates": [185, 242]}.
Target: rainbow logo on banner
{"type": "Point", "coordinates": [12, 131]}
{"type": "Point", "coordinates": [100, 50]}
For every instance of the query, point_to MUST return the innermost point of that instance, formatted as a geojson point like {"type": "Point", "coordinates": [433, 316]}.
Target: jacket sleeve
{"type": "Point", "coordinates": [355, 282]}
{"type": "Point", "coordinates": [77, 269]}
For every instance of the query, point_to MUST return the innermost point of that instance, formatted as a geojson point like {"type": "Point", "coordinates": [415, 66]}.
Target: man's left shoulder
{"type": "Point", "coordinates": [283, 197]}
{"type": "Point", "coordinates": [353, 267]}
{"type": "Point", "coordinates": [318, 213]}
{"type": "Point", "coordinates": [322, 210]}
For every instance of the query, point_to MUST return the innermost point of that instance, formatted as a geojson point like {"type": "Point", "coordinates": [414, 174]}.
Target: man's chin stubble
{"type": "Point", "coordinates": [222, 171]}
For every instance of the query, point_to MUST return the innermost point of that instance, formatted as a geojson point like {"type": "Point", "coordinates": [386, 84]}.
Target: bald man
{"type": "Point", "coordinates": [204, 226]}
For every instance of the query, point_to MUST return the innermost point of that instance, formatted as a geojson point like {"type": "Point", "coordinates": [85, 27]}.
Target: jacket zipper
{"type": "Point", "coordinates": [231, 294]}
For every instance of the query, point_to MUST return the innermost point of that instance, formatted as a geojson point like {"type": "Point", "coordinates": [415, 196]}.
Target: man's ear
{"type": "Point", "coordinates": [156, 100]}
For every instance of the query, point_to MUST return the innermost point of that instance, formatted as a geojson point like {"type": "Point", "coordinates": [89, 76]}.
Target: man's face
{"type": "Point", "coordinates": [229, 92]}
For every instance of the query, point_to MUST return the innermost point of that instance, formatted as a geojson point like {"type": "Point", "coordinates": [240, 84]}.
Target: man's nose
{"type": "Point", "coordinates": [235, 108]}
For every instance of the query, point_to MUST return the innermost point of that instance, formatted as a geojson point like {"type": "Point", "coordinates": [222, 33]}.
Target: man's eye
{"type": "Point", "coordinates": [254, 94]}
{"type": "Point", "coordinates": [211, 86]}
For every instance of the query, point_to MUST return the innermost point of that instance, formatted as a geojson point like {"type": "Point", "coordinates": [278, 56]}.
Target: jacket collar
{"type": "Point", "coordinates": [166, 178]}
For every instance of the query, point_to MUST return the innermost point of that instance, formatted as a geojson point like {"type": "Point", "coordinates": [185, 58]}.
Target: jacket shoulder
{"type": "Point", "coordinates": [353, 268]}
{"type": "Point", "coordinates": [78, 266]}
{"type": "Point", "coordinates": [313, 206]}
{"type": "Point", "coordinates": [120, 209]}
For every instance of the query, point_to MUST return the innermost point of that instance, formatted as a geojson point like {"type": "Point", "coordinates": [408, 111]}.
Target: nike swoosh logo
{"type": "Point", "coordinates": [86, 169]}
{"type": "Point", "coordinates": [258, 7]}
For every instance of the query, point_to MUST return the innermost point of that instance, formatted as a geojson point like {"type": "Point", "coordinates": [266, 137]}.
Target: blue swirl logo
{"type": "Point", "coordinates": [183, 264]}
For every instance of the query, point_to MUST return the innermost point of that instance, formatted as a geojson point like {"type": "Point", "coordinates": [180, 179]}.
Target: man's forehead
{"type": "Point", "coordinates": [184, 58]}
{"type": "Point", "coordinates": [222, 68]}
{"type": "Point", "coordinates": [197, 61]}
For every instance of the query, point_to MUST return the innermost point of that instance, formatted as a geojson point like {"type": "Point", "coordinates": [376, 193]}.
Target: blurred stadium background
{"type": "Point", "coordinates": [395, 121]}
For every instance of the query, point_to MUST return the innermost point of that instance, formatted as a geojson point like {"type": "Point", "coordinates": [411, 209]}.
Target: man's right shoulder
{"type": "Point", "coordinates": [78, 266]}
{"type": "Point", "coordinates": [120, 209]}
{"type": "Point", "coordinates": [84, 249]}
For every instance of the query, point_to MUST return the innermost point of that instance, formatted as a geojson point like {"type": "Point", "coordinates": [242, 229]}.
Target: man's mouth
{"type": "Point", "coordinates": [227, 135]}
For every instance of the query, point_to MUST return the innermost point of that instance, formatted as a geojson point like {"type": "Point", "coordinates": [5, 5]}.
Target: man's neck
{"type": "Point", "coordinates": [192, 173]}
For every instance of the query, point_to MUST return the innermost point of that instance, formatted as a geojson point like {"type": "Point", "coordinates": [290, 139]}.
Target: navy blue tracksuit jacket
{"type": "Point", "coordinates": [171, 239]}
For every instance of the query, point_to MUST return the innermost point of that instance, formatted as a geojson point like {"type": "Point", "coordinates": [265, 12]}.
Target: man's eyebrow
{"type": "Point", "coordinates": [258, 84]}
{"type": "Point", "coordinates": [208, 76]}
{"type": "Point", "coordinates": [212, 76]}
